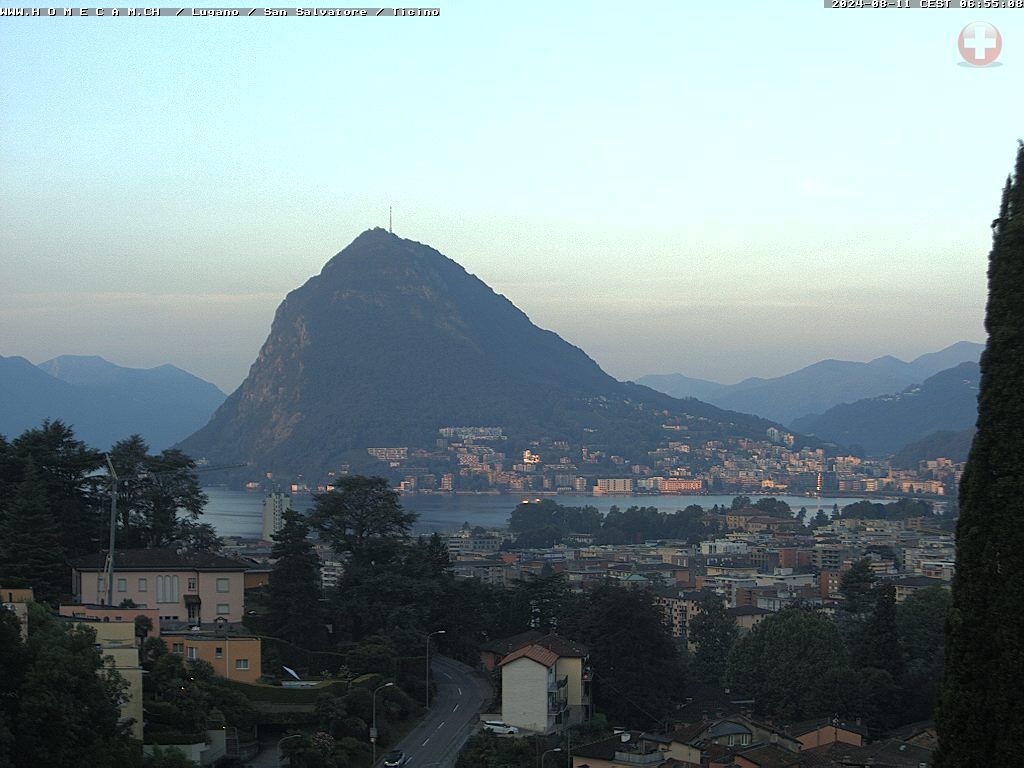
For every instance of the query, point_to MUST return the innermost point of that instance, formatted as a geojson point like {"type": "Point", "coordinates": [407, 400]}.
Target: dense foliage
{"type": "Point", "coordinates": [980, 718]}
{"type": "Point", "coordinates": [545, 523]}
{"type": "Point", "coordinates": [55, 497]}
{"type": "Point", "coordinates": [58, 703]}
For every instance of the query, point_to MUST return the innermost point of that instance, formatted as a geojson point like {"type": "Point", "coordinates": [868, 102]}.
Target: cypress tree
{"type": "Point", "coordinates": [31, 553]}
{"type": "Point", "coordinates": [980, 718]}
{"type": "Point", "coordinates": [294, 612]}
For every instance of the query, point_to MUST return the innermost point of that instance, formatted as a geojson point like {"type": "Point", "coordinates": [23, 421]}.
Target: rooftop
{"type": "Point", "coordinates": [163, 559]}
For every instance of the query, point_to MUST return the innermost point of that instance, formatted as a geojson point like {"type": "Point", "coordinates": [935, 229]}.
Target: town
{"type": "Point", "coordinates": [475, 460]}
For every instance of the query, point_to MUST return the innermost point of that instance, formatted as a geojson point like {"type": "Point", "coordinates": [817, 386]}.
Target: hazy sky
{"type": "Point", "coordinates": [720, 189]}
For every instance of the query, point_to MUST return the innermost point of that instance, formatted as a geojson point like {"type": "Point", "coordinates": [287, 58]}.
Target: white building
{"type": "Point", "coordinates": [274, 507]}
{"type": "Point", "coordinates": [544, 689]}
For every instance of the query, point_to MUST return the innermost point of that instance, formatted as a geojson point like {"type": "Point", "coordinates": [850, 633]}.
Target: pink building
{"type": "Point", "coordinates": [195, 587]}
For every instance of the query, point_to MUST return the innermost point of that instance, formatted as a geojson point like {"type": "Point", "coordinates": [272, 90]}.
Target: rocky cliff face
{"type": "Point", "coordinates": [392, 341]}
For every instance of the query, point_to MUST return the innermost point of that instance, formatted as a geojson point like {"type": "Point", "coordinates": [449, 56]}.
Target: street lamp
{"type": "Point", "coordinates": [545, 754]}
{"type": "Point", "coordinates": [373, 728]}
{"type": "Point", "coordinates": [429, 635]}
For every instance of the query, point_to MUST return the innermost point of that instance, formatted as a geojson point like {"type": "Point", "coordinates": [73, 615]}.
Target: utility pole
{"type": "Point", "coordinates": [109, 565]}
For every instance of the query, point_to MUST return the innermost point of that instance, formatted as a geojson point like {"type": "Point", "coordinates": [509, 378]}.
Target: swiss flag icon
{"type": "Point", "coordinates": [980, 43]}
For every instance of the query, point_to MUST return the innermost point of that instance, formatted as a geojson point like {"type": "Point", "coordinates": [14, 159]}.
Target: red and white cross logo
{"type": "Point", "coordinates": [980, 43]}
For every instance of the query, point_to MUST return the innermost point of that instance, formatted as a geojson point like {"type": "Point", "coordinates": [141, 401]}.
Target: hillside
{"type": "Point", "coordinates": [817, 387]}
{"type": "Point", "coordinates": [393, 340]}
{"type": "Point", "coordinates": [882, 425]}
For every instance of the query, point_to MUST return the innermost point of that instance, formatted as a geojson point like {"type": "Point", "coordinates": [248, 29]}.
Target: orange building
{"type": "Point", "coordinates": [233, 657]}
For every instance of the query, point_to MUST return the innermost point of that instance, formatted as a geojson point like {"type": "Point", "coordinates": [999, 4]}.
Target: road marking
{"type": "Point", "coordinates": [445, 674]}
{"type": "Point", "coordinates": [456, 708]}
{"type": "Point", "coordinates": [460, 691]}
{"type": "Point", "coordinates": [425, 742]}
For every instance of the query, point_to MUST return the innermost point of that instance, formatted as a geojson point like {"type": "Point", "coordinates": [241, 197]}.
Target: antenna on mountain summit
{"type": "Point", "coordinates": [391, 220]}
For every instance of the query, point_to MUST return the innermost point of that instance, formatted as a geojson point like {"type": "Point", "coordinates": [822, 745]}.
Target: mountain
{"type": "Point", "coordinates": [947, 401]}
{"type": "Point", "coordinates": [942, 444]}
{"type": "Point", "coordinates": [820, 386]}
{"type": "Point", "coordinates": [950, 357]}
{"type": "Point", "coordinates": [393, 340]}
{"type": "Point", "coordinates": [677, 385]}
{"type": "Point", "coordinates": [102, 401]}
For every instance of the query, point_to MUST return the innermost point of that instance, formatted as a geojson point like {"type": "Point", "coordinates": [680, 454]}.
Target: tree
{"type": "Point", "coordinates": [13, 660]}
{"type": "Point", "coordinates": [879, 642]}
{"type": "Point", "coordinates": [713, 631]}
{"type": "Point", "coordinates": [66, 711]}
{"type": "Point", "coordinates": [66, 467]}
{"type": "Point", "coordinates": [293, 592]}
{"type": "Point", "coordinates": [786, 664]}
{"type": "Point", "coordinates": [31, 553]}
{"type": "Point", "coordinates": [636, 662]}
{"type": "Point", "coordinates": [980, 719]}
{"type": "Point", "coordinates": [857, 587]}
{"type": "Point", "coordinates": [774, 508]}
{"type": "Point", "coordinates": [359, 510]}
{"type": "Point", "coordinates": [159, 497]}
{"type": "Point", "coordinates": [921, 623]}
{"type": "Point", "coordinates": [740, 502]}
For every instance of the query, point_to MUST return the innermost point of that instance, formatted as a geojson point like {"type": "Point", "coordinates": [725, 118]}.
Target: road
{"type": "Point", "coordinates": [454, 710]}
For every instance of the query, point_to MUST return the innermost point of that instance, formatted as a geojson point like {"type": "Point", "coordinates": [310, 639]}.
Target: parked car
{"type": "Point", "coordinates": [395, 759]}
{"type": "Point", "coordinates": [497, 726]}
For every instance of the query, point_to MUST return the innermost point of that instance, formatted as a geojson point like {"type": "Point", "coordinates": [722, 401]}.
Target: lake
{"type": "Point", "coordinates": [238, 513]}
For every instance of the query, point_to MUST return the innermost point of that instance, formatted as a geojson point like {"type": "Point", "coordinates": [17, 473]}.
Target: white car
{"type": "Point", "coordinates": [497, 726]}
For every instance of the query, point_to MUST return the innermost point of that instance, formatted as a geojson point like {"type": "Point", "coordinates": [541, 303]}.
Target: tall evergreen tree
{"type": "Point", "coordinates": [67, 469]}
{"type": "Point", "coordinates": [31, 553]}
{"type": "Point", "coordinates": [879, 640]}
{"type": "Point", "coordinates": [980, 719]}
{"type": "Point", "coordinates": [294, 591]}
{"type": "Point", "coordinates": [713, 631]}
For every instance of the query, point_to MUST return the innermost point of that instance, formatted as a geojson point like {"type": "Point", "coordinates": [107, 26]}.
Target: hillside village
{"type": "Point", "coordinates": [477, 459]}
{"type": "Point", "coordinates": [753, 561]}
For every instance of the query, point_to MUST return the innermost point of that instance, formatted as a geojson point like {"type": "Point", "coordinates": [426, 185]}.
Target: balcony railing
{"type": "Point", "coordinates": [657, 757]}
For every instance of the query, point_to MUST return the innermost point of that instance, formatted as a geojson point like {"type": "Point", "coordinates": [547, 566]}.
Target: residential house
{"type": "Point", "coordinates": [545, 685]}
{"type": "Point", "coordinates": [118, 647]}
{"type": "Point", "coordinates": [823, 731]}
{"type": "Point", "coordinates": [16, 601]}
{"type": "Point", "coordinates": [629, 749]}
{"type": "Point", "coordinates": [193, 586]}
{"type": "Point", "coordinates": [233, 654]}
{"type": "Point", "coordinates": [114, 614]}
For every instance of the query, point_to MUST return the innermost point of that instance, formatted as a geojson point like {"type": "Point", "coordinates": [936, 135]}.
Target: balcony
{"type": "Point", "coordinates": [655, 757]}
{"type": "Point", "coordinates": [556, 684]}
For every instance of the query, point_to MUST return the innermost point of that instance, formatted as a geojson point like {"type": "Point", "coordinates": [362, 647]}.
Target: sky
{"type": "Point", "coordinates": [717, 189]}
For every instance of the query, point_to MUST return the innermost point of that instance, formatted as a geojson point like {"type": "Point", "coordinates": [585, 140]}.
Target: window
{"type": "Point", "coordinates": [142, 585]}
{"type": "Point", "coordinates": [745, 739]}
{"type": "Point", "coordinates": [241, 663]}
{"type": "Point", "coordinates": [218, 653]}
{"type": "Point", "coordinates": [167, 589]}
{"type": "Point", "coordinates": [178, 648]}
{"type": "Point", "coordinates": [223, 585]}
{"type": "Point", "coordinates": [193, 653]}
{"type": "Point", "coordinates": [223, 609]}
{"type": "Point", "coordinates": [122, 585]}
{"type": "Point", "coordinates": [191, 584]}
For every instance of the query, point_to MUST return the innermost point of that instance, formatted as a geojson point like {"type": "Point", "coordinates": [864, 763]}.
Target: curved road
{"type": "Point", "coordinates": [454, 710]}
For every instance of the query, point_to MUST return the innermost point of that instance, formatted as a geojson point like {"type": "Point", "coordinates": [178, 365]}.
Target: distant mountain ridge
{"type": "Point", "coordinates": [817, 387]}
{"type": "Point", "coordinates": [104, 402]}
{"type": "Point", "coordinates": [393, 340]}
{"type": "Point", "coordinates": [946, 402]}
